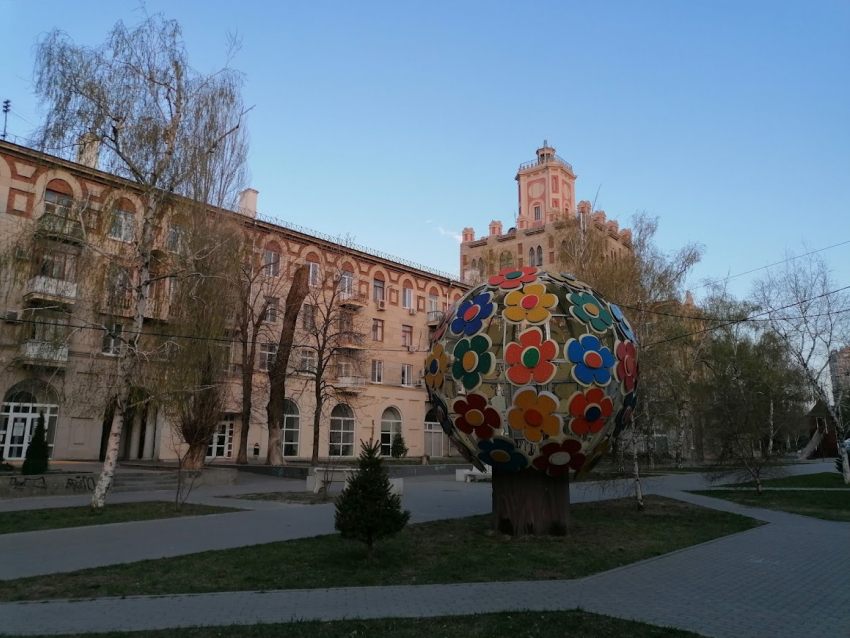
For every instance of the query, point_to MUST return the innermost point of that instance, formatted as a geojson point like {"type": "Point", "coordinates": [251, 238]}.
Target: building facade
{"type": "Point", "coordinates": [546, 203]}
{"type": "Point", "coordinates": [60, 224]}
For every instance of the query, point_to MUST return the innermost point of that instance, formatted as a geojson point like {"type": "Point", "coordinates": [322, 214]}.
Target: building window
{"type": "Point", "coordinates": [48, 329]}
{"type": "Point", "coordinates": [226, 357]}
{"type": "Point", "coordinates": [406, 374]}
{"type": "Point", "coordinates": [308, 313]}
{"type": "Point", "coordinates": [407, 336]}
{"type": "Point", "coordinates": [112, 339]}
{"type": "Point", "coordinates": [313, 275]}
{"type": "Point", "coordinates": [378, 290]}
{"type": "Point", "coordinates": [341, 433]}
{"type": "Point", "coordinates": [307, 361]}
{"type": "Point", "coordinates": [554, 184]}
{"type": "Point", "coordinates": [537, 215]}
{"type": "Point", "coordinates": [122, 226]}
{"type": "Point", "coordinates": [407, 297]}
{"type": "Point", "coordinates": [58, 264]}
{"type": "Point", "coordinates": [531, 257]}
{"type": "Point", "coordinates": [344, 368]}
{"type": "Point", "coordinates": [221, 443]}
{"type": "Point", "coordinates": [268, 353]}
{"type": "Point", "coordinates": [436, 442]}
{"type": "Point", "coordinates": [539, 256]}
{"type": "Point", "coordinates": [346, 284]}
{"type": "Point", "coordinates": [433, 303]}
{"type": "Point", "coordinates": [271, 262]}
{"type": "Point", "coordinates": [377, 329]}
{"type": "Point", "coordinates": [272, 304]}
{"type": "Point", "coordinates": [377, 371]}
{"type": "Point", "coordinates": [390, 429]}
{"type": "Point", "coordinates": [176, 239]}
{"type": "Point", "coordinates": [57, 204]}
{"type": "Point", "coordinates": [346, 324]}
{"type": "Point", "coordinates": [291, 428]}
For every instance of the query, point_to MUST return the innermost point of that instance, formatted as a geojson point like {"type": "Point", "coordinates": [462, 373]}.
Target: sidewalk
{"type": "Point", "coordinates": [787, 579]}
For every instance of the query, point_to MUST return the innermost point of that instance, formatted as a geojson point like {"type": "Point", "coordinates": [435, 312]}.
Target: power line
{"type": "Point", "coordinates": [784, 261]}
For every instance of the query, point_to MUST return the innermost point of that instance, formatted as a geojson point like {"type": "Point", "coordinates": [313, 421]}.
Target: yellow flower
{"type": "Point", "coordinates": [532, 414]}
{"type": "Point", "coordinates": [532, 304]}
{"type": "Point", "coordinates": [435, 367]}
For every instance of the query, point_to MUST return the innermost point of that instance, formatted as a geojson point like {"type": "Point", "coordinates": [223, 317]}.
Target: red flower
{"type": "Point", "coordinates": [474, 415]}
{"type": "Point", "coordinates": [627, 365]}
{"type": "Point", "coordinates": [589, 409]}
{"type": "Point", "coordinates": [531, 358]}
{"type": "Point", "coordinates": [510, 278]}
{"type": "Point", "coordinates": [558, 457]}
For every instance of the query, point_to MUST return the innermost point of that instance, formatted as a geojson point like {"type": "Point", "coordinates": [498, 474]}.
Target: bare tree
{"type": "Point", "coordinates": [811, 314]}
{"type": "Point", "coordinates": [166, 128]}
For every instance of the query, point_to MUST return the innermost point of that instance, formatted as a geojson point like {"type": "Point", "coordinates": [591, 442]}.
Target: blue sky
{"type": "Point", "coordinates": [401, 123]}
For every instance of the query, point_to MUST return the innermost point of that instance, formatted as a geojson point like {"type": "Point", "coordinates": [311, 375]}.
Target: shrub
{"type": "Point", "coordinates": [366, 510]}
{"type": "Point", "coordinates": [36, 461]}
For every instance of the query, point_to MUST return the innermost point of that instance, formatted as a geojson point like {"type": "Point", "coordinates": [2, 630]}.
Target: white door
{"type": "Point", "coordinates": [17, 425]}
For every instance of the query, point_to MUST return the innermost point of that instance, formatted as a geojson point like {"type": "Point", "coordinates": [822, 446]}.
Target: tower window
{"type": "Point", "coordinates": [537, 213]}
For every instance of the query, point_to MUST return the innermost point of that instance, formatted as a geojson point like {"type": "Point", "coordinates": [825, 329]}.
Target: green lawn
{"type": "Point", "coordinates": [55, 518]}
{"type": "Point", "coordinates": [604, 535]}
{"type": "Point", "coordinates": [302, 498]}
{"type": "Point", "coordinates": [546, 624]}
{"type": "Point", "coordinates": [828, 480]}
{"type": "Point", "coordinates": [828, 504]}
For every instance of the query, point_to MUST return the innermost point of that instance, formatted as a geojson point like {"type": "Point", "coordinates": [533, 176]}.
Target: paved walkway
{"type": "Point", "coordinates": [785, 579]}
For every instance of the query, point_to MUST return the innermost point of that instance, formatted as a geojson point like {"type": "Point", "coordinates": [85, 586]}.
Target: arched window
{"type": "Point", "coordinates": [341, 432]}
{"type": "Point", "coordinates": [291, 427]}
{"type": "Point", "coordinates": [390, 429]}
{"type": "Point", "coordinates": [539, 256]}
{"type": "Point", "coordinates": [506, 260]}
{"type": "Point", "coordinates": [532, 260]}
{"type": "Point", "coordinates": [481, 267]}
{"type": "Point", "coordinates": [58, 199]}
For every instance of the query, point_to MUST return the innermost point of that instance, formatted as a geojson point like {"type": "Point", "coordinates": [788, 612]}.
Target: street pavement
{"type": "Point", "coordinates": [788, 578]}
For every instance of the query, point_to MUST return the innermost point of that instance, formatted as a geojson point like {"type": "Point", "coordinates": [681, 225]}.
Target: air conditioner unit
{"type": "Point", "coordinates": [411, 311]}
{"type": "Point", "coordinates": [11, 316]}
{"type": "Point", "coordinates": [382, 304]}
{"type": "Point", "coordinates": [411, 348]}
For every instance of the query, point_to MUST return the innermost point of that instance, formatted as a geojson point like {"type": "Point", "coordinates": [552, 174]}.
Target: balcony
{"type": "Point", "coordinates": [353, 300]}
{"type": "Point", "coordinates": [60, 228]}
{"type": "Point", "coordinates": [351, 341]}
{"type": "Point", "coordinates": [44, 353]}
{"type": "Point", "coordinates": [351, 385]}
{"type": "Point", "coordinates": [41, 288]}
{"type": "Point", "coordinates": [434, 318]}
{"type": "Point", "coordinates": [156, 309]}
{"type": "Point", "coordinates": [554, 159]}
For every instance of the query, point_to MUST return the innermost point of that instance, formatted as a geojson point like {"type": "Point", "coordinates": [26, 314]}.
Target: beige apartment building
{"type": "Point", "coordinates": [546, 200]}
{"type": "Point", "coordinates": [58, 339]}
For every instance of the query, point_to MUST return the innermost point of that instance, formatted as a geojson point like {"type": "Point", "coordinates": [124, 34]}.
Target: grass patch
{"type": "Point", "coordinates": [527, 624]}
{"type": "Point", "coordinates": [824, 480]}
{"type": "Point", "coordinates": [604, 535]}
{"type": "Point", "coordinates": [827, 505]}
{"type": "Point", "coordinates": [302, 498]}
{"type": "Point", "coordinates": [59, 517]}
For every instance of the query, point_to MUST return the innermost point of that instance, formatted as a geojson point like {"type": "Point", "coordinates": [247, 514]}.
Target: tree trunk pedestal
{"type": "Point", "coordinates": [531, 503]}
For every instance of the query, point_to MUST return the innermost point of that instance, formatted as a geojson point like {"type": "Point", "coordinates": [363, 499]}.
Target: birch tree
{"type": "Point", "coordinates": [168, 129]}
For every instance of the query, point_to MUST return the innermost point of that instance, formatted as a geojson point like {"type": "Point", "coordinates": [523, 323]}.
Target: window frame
{"type": "Point", "coordinates": [123, 223]}
{"type": "Point", "coordinates": [268, 355]}
{"type": "Point", "coordinates": [377, 371]}
{"type": "Point", "coordinates": [377, 330]}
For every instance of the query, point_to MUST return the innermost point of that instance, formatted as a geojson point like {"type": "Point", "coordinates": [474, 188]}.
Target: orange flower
{"type": "Point", "coordinates": [531, 358]}
{"type": "Point", "coordinates": [532, 413]}
{"type": "Point", "coordinates": [531, 305]}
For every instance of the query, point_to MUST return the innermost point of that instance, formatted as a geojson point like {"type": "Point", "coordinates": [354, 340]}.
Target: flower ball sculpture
{"type": "Point", "coordinates": [533, 371]}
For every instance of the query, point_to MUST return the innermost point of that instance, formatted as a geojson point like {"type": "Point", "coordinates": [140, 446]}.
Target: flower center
{"type": "Point", "coordinates": [530, 357]}
{"type": "Point", "coordinates": [591, 309]}
{"type": "Point", "coordinates": [559, 458]}
{"type": "Point", "coordinates": [529, 301]}
{"type": "Point", "coordinates": [592, 412]}
{"type": "Point", "coordinates": [500, 456]}
{"type": "Point", "coordinates": [474, 417]}
{"type": "Point", "coordinates": [516, 274]}
{"type": "Point", "coordinates": [533, 418]}
{"type": "Point", "coordinates": [470, 361]}
{"type": "Point", "coordinates": [471, 313]}
{"type": "Point", "coordinates": [433, 367]}
{"type": "Point", "coordinates": [592, 359]}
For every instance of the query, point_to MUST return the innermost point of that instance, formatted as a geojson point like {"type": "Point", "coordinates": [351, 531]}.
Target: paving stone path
{"type": "Point", "coordinates": [789, 578]}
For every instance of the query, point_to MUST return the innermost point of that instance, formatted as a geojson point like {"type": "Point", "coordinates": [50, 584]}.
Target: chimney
{"type": "Point", "coordinates": [248, 203]}
{"type": "Point", "coordinates": [495, 228]}
{"type": "Point", "coordinates": [468, 234]}
{"type": "Point", "coordinates": [88, 150]}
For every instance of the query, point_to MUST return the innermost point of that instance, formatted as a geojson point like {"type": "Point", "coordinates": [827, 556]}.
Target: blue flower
{"type": "Point", "coordinates": [502, 454]}
{"type": "Point", "coordinates": [472, 313]}
{"type": "Point", "coordinates": [592, 360]}
{"type": "Point", "coordinates": [622, 322]}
